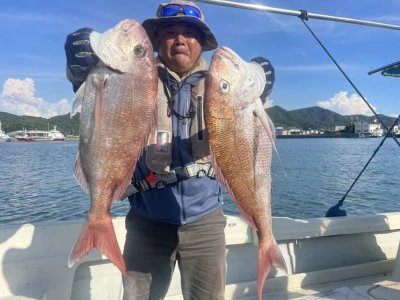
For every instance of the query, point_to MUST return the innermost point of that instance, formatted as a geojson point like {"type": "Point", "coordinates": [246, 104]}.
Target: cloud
{"type": "Point", "coordinates": [18, 97]}
{"type": "Point", "coordinates": [345, 105]}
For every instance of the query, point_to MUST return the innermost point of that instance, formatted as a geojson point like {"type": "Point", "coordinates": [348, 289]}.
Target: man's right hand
{"type": "Point", "coordinates": [80, 56]}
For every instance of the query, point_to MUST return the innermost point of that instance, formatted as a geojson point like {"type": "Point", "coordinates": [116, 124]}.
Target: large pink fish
{"type": "Point", "coordinates": [241, 139]}
{"type": "Point", "coordinates": [117, 103]}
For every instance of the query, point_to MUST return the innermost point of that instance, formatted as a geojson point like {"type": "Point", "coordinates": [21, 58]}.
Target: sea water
{"type": "Point", "coordinates": [37, 183]}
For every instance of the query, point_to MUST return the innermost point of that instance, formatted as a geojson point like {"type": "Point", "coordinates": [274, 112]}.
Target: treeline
{"type": "Point", "coordinates": [319, 118]}
{"type": "Point", "coordinates": [316, 118]}
{"type": "Point", "coordinates": [67, 125]}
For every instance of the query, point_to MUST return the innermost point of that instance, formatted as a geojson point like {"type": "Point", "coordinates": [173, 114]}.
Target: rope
{"type": "Point", "coordinates": [340, 203]}
{"type": "Point", "coordinates": [304, 17]}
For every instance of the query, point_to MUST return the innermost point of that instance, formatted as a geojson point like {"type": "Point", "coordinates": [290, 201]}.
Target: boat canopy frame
{"type": "Point", "coordinates": [392, 70]}
{"type": "Point", "coordinates": [298, 13]}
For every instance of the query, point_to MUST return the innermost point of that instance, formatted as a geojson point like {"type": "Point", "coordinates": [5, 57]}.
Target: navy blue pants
{"type": "Point", "coordinates": [152, 249]}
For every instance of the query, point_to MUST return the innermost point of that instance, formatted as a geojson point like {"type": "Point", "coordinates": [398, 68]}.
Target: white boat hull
{"type": "Point", "coordinates": [319, 253]}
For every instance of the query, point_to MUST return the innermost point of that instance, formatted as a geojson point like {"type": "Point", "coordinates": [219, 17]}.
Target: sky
{"type": "Point", "coordinates": [33, 33]}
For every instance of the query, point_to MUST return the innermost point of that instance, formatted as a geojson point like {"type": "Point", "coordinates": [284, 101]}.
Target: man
{"type": "Point", "coordinates": [176, 210]}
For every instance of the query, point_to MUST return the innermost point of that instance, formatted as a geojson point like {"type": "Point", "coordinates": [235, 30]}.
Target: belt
{"type": "Point", "coordinates": [158, 180]}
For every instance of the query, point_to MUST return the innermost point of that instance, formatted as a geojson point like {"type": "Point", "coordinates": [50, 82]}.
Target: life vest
{"type": "Point", "coordinates": [158, 150]}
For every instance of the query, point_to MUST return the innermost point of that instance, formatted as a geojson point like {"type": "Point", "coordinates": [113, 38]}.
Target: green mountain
{"type": "Point", "coordinates": [312, 117]}
{"type": "Point", "coordinates": [317, 118]}
{"type": "Point", "coordinates": [64, 123]}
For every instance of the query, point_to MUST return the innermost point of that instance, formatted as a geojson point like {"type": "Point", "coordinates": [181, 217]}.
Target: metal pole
{"type": "Point", "coordinates": [296, 13]}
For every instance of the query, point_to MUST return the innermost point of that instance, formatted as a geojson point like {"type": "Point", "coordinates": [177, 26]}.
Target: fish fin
{"type": "Point", "coordinates": [77, 101]}
{"type": "Point", "coordinates": [268, 125]}
{"type": "Point", "coordinates": [246, 216]}
{"type": "Point", "coordinates": [98, 234]}
{"type": "Point", "coordinates": [267, 103]}
{"type": "Point", "coordinates": [99, 82]}
{"type": "Point", "coordinates": [272, 127]}
{"type": "Point", "coordinates": [120, 190]}
{"type": "Point", "coordinates": [259, 111]}
{"type": "Point", "coordinates": [268, 257]}
{"type": "Point", "coordinates": [80, 175]}
{"type": "Point", "coordinates": [221, 178]}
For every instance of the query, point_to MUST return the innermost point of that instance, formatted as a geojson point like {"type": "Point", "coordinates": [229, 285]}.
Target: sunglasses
{"type": "Point", "coordinates": [174, 9]}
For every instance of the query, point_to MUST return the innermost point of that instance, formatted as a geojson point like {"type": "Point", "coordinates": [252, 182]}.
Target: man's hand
{"type": "Point", "coordinates": [269, 72]}
{"type": "Point", "coordinates": [80, 56]}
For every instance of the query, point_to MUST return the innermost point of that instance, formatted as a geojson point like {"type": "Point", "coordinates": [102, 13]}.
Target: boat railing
{"type": "Point", "coordinates": [34, 257]}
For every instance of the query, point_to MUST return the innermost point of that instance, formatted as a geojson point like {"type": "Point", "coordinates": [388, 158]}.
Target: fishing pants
{"type": "Point", "coordinates": [152, 249]}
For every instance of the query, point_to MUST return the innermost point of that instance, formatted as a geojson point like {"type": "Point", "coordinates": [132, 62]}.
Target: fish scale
{"type": "Point", "coordinates": [241, 141]}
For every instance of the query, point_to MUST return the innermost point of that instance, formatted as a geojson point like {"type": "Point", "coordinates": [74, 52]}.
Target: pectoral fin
{"type": "Point", "coordinates": [77, 101]}
{"type": "Point", "coordinates": [269, 127]}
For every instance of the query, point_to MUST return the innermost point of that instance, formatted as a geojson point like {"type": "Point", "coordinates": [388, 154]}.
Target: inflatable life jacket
{"type": "Point", "coordinates": [158, 150]}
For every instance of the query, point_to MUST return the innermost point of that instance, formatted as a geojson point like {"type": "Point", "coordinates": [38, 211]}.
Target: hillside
{"type": "Point", "coordinates": [312, 117]}
{"type": "Point", "coordinates": [64, 123]}
{"type": "Point", "coordinates": [317, 118]}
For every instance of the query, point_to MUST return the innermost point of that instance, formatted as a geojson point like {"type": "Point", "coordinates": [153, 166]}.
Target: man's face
{"type": "Point", "coordinates": [179, 46]}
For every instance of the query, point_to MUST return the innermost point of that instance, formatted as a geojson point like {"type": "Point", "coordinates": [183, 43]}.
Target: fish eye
{"type": "Point", "coordinates": [224, 86]}
{"type": "Point", "coordinates": [139, 51]}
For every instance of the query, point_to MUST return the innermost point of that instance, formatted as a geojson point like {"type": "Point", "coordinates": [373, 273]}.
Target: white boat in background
{"type": "Point", "coordinates": [351, 257]}
{"type": "Point", "coordinates": [56, 135]}
{"type": "Point", "coordinates": [38, 135]}
{"type": "Point", "coordinates": [4, 137]}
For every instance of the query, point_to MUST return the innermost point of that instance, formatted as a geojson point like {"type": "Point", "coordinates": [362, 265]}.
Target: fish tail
{"type": "Point", "coordinates": [268, 257]}
{"type": "Point", "coordinates": [100, 235]}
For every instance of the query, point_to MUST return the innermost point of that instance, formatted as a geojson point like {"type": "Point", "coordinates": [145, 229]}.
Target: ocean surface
{"type": "Point", "coordinates": [37, 183]}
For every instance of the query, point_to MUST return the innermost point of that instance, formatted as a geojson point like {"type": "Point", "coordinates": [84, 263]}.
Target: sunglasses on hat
{"type": "Point", "coordinates": [174, 9]}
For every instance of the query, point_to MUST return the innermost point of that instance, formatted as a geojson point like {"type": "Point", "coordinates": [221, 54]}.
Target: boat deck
{"type": "Point", "coordinates": [354, 257]}
{"type": "Point", "coordinates": [381, 287]}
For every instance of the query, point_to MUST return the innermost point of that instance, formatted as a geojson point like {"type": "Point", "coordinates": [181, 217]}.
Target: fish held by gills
{"type": "Point", "coordinates": [117, 105]}
{"type": "Point", "coordinates": [241, 138]}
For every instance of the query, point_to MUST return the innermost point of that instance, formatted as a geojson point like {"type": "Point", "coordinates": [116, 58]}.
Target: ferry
{"type": "Point", "coordinates": [352, 257]}
{"type": "Point", "coordinates": [38, 135]}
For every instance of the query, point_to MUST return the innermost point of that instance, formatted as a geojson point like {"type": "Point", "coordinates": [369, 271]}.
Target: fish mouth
{"type": "Point", "coordinates": [227, 53]}
{"type": "Point", "coordinates": [128, 24]}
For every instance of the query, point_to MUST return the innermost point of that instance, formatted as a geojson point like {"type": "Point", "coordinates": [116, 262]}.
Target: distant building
{"type": "Point", "coordinates": [368, 127]}
{"type": "Point", "coordinates": [395, 129]}
{"type": "Point", "coordinates": [282, 131]}
{"type": "Point", "coordinates": [339, 128]}
{"type": "Point", "coordinates": [295, 131]}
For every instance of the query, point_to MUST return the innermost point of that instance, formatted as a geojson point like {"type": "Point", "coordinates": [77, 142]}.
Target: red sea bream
{"type": "Point", "coordinates": [241, 139]}
{"type": "Point", "coordinates": [117, 103]}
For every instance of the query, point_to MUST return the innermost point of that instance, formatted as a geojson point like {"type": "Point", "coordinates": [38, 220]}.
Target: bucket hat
{"type": "Point", "coordinates": [180, 11]}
